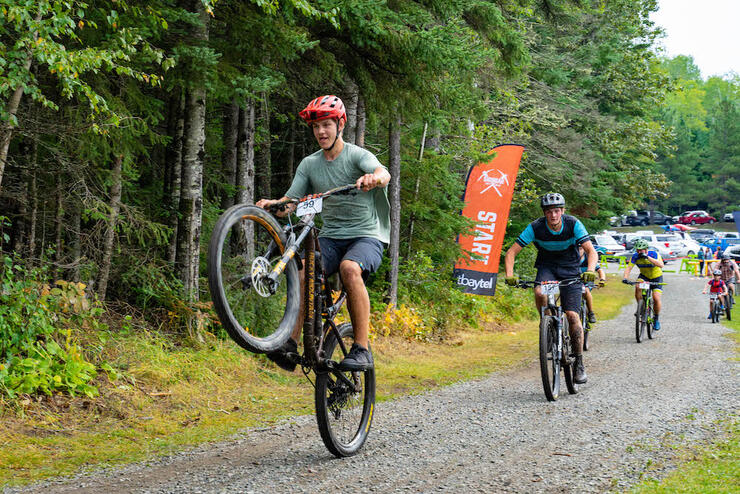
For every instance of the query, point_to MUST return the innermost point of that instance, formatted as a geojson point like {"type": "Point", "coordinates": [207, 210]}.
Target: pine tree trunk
{"type": "Point", "coordinates": [33, 223]}
{"type": "Point", "coordinates": [263, 171]}
{"type": "Point", "coordinates": [191, 196]}
{"type": "Point", "coordinates": [110, 233]}
{"type": "Point", "coordinates": [228, 155]}
{"type": "Point", "coordinates": [245, 171]}
{"type": "Point", "coordinates": [173, 178]}
{"type": "Point", "coordinates": [6, 128]}
{"type": "Point", "coordinates": [360, 130]}
{"type": "Point", "coordinates": [76, 247]}
{"type": "Point", "coordinates": [412, 217]}
{"type": "Point", "coordinates": [353, 95]}
{"type": "Point", "coordinates": [245, 155]}
{"type": "Point", "coordinates": [394, 196]}
{"type": "Point", "coordinates": [59, 224]}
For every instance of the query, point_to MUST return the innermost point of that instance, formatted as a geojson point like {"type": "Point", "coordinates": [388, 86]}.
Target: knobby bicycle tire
{"type": "Point", "coordinates": [245, 242]}
{"type": "Point", "coordinates": [344, 415]}
{"type": "Point", "coordinates": [649, 321]}
{"type": "Point", "coordinates": [639, 318]}
{"type": "Point", "coordinates": [549, 362]}
{"type": "Point", "coordinates": [568, 363]}
{"type": "Point", "coordinates": [585, 324]}
{"type": "Point", "coordinates": [728, 308]}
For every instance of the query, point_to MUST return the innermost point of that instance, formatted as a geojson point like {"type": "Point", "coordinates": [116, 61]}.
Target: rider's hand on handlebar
{"type": "Point", "coordinates": [625, 281]}
{"type": "Point", "coordinates": [602, 283]}
{"type": "Point", "coordinates": [368, 182]}
{"type": "Point", "coordinates": [511, 280]}
{"type": "Point", "coordinates": [588, 276]}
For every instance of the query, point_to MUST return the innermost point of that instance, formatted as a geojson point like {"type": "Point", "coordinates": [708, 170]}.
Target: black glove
{"type": "Point", "coordinates": [625, 281]}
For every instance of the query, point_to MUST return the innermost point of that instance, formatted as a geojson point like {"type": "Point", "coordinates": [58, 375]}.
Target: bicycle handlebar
{"type": "Point", "coordinates": [531, 283]}
{"type": "Point", "coordinates": [342, 189]}
{"type": "Point", "coordinates": [652, 283]}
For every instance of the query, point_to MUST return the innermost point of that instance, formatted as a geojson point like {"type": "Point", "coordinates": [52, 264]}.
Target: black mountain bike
{"type": "Point", "coordinates": [644, 316]}
{"type": "Point", "coordinates": [555, 349]}
{"type": "Point", "coordinates": [253, 276]}
{"type": "Point", "coordinates": [716, 307]}
{"type": "Point", "coordinates": [583, 313]}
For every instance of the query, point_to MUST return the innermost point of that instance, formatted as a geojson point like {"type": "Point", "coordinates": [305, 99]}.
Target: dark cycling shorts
{"type": "Point", "coordinates": [570, 296]}
{"type": "Point", "coordinates": [659, 279]}
{"type": "Point", "coordinates": [365, 251]}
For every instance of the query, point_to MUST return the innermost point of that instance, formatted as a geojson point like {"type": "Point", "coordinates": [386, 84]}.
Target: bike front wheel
{"type": "Point", "coordinates": [246, 244]}
{"type": "Point", "coordinates": [585, 324]}
{"type": "Point", "coordinates": [569, 364]}
{"type": "Point", "coordinates": [640, 321]}
{"type": "Point", "coordinates": [649, 320]}
{"type": "Point", "coordinates": [345, 401]}
{"type": "Point", "coordinates": [549, 358]}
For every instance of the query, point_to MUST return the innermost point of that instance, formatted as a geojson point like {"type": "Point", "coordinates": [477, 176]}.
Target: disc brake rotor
{"type": "Point", "coordinates": [260, 269]}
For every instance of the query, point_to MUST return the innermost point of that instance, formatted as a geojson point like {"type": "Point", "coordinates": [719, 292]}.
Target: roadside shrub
{"type": "Point", "coordinates": [39, 331]}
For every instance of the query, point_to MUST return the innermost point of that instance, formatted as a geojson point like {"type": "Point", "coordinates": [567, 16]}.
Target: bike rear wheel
{"type": "Point", "coordinates": [549, 360]}
{"type": "Point", "coordinates": [640, 321]}
{"type": "Point", "coordinates": [246, 244]}
{"type": "Point", "coordinates": [344, 413]}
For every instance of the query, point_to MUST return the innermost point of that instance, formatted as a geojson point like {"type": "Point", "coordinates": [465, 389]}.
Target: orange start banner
{"type": "Point", "coordinates": [488, 192]}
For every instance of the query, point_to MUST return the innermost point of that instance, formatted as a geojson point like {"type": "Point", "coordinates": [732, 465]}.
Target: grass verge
{"type": "Point", "coordinates": [174, 397]}
{"type": "Point", "coordinates": [714, 468]}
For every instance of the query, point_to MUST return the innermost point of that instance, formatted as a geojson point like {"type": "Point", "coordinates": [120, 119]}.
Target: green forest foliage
{"type": "Point", "coordinates": [703, 162]}
{"type": "Point", "coordinates": [88, 84]}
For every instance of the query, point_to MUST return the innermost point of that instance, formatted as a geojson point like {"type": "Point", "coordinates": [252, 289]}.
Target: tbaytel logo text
{"type": "Point", "coordinates": [475, 284]}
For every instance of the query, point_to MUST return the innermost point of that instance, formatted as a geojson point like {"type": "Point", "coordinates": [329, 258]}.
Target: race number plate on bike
{"type": "Point", "coordinates": [644, 286]}
{"type": "Point", "coordinates": [550, 288]}
{"type": "Point", "coordinates": [309, 206]}
{"type": "Point", "coordinates": [714, 296]}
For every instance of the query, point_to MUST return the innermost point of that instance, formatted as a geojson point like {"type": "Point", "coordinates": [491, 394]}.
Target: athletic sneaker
{"type": "Point", "coordinates": [280, 356]}
{"type": "Point", "coordinates": [579, 376]}
{"type": "Point", "coordinates": [358, 359]}
{"type": "Point", "coordinates": [656, 325]}
{"type": "Point", "coordinates": [591, 317]}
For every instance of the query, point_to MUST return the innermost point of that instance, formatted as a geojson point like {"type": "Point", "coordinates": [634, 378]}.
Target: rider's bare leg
{"type": "Point", "coordinates": [358, 300]}
{"type": "Point", "coordinates": [540, 300]}
{"type": "Point", "coordinates": [589, 300]}
{"type": "Point", "coordinates": [657, 302]}
{"type": "Point", "coordinates": [576, 331]}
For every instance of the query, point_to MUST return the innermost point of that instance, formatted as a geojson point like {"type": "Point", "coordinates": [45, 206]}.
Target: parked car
{"type": "Point", "coordinates": [701, 235]}
{"type": "Point", "coordinates": [644, 217]}
{"type": "Point", "coordinates": [728, 217]}
{"type": "Point", "coordinates": [692, 246]}
{"type": "Point", "coordinates": [697, 218]}
{"type": "Point", "coordinates": [720, 244]}
{"type": "Point", "coordinates": [727, 235]}
{"type": "Point", "coordinates": [605, 244]}
{"type": "Point", "coordinates": [669, 246]}
{"type": "Point", "coordinates": [734, 251]}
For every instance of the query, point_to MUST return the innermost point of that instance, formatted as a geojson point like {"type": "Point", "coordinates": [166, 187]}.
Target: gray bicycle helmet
{"type": "Point", "coordinates": [717, 272]}
{"type": "Point", "coordinates": [552, 199]}
{"type": "Point", "coordinates": [726, 256]}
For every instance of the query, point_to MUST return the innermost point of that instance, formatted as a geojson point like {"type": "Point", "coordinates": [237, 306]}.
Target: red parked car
{"type": "Point", "coordinates": [696, 218]}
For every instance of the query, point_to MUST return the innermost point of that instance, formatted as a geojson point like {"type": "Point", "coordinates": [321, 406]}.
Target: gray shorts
{"type": "Point", "coordinates": [365, 251]}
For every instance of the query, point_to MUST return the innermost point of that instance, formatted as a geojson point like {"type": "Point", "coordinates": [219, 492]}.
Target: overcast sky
{"type": "Point", "coordinates": [708, 30]}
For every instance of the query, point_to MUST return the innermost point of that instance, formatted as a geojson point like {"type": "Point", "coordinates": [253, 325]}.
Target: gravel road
{"type": "Point", "coordinates": [497, 434]}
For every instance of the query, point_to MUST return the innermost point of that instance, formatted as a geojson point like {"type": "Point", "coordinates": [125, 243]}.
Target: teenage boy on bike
{"type": "Point", "coordinates": [716, 285]}
{"type": "Point", "coordinates": [557, 237]}
{"type": "Point", "coordinates": [650, 265]}
{"type": "Point", "coordinates": [587, 294]}
{"type": "Point", "coordinates": [729, 272]}
{"type": "Point", "coordinates": [355, 229]}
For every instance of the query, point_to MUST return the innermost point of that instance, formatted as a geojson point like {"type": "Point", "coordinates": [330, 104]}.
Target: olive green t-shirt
{"type": "Point", "coordinates": [365, 214]}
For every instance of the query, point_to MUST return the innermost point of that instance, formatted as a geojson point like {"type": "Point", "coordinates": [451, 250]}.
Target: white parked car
{"type": "Point", "coordinates": [691, 245]}
{"type": "Point", "coordinates": [727, 235]}
{"type": "Point", "coordinates": [668, 246]}
{"type": "Point", "coordinates": [728, 217]}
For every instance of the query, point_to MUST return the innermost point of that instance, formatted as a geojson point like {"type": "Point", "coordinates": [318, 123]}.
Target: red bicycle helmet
{"type": "Point", "coordinates": [324, 107]}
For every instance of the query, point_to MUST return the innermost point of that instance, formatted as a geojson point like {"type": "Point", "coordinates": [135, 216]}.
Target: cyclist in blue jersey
{"type": "Point", "coordinates": [557, 237]}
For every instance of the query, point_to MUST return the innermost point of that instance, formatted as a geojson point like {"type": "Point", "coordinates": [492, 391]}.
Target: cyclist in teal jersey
{"type": "Point", "coordinates": [557, 237]}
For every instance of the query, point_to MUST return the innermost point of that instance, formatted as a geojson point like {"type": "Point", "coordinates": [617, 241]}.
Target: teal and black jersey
{"type": "Point", "coordinates": [555, 248]}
